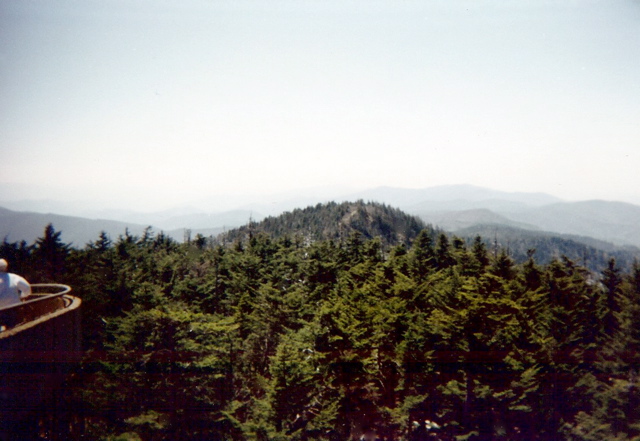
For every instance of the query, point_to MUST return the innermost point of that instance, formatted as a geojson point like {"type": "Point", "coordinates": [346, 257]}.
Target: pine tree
{"type": "Point", "coordinates": [423, 257]}
{"type": "Point", "coordinates": [50, 256]}
{"type": "Point", "coordinates": [611, 280]}
{"type": "Point", "coordinates": [444, 259]}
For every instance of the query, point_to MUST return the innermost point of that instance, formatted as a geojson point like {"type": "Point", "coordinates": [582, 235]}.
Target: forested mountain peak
{"type": "Point", "coordinates": [335, 221]}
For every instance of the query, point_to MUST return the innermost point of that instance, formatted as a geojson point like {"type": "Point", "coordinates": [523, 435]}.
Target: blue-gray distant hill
{"type": "Point", "coordinates": [453, 197]}
{"type": "Point", "coordinates": [456, 220]}
{"type": "Point", "coordinates": [16, 226]}
{"type": "Point", "coordinates": [617, 222]}
{"type": "Point", "coordinates": [587, 251]}
{"type": "Point", "coordinates": [454, 207]}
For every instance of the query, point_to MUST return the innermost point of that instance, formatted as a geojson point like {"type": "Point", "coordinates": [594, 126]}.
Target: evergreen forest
{"type": "Point", "coordinates": [397, 333]}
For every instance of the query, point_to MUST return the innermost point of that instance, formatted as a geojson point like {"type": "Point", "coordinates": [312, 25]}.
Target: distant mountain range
{"type": "Point", "coordinates": [18, 226]}
{"type": "Point", "coordinates": [461, 209]}
{"type": "Point", "coordinates": [462, 206]}
{"type": "Point", "coordinates": [453, 197]}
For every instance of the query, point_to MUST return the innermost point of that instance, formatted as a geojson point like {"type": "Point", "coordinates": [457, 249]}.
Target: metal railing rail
{"type": "Point", "coordinates": [45, 298]}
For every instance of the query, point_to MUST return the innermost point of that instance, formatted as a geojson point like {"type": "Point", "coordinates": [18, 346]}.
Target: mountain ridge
{"type": "Point", "coordinates": [335, 221]}
{"type": "Point", "coordinates": [28, 226]}
{"type": "Point", "coordinates": [406, 198]}
{"type": "Point", "coordinates": [451, 207]}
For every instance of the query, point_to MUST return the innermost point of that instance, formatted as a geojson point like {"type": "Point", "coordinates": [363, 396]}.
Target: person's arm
{"type": "Point", "coordinates": [24, 288]}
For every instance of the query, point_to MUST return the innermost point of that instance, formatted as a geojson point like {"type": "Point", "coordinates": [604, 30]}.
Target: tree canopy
{"type": "Point", "coordinates": [285, 338]}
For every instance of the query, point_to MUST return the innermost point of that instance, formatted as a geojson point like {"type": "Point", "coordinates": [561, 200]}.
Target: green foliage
{"type": "Point", "coordinates": [314, 334]}
{"type": "Point", "coordinates": [51, 255]}
{"type": "Point", "coordinates": [334, 221]}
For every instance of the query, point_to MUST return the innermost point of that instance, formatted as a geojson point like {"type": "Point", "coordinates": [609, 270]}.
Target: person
{"type": "Point", "coordinates": [13, 288]}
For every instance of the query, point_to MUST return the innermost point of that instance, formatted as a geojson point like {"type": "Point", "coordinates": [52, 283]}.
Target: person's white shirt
{"type": "Point", "coordinates": [13, 288]}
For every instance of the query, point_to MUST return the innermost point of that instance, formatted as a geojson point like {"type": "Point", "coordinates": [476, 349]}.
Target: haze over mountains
{"type": "Point", "coordinates": [452, 208]}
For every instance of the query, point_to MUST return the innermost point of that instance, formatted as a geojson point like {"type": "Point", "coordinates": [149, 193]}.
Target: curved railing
{"type": "Point", "coordinates": [40, 344]}
{"type": "Point", "coordinates": [51, 289]}
{"type": "Point", "coordinates": [45, 299]}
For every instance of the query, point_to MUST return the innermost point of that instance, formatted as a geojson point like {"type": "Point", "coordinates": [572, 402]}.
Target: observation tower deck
{"type": "Point", "coordinates": [40, 343]}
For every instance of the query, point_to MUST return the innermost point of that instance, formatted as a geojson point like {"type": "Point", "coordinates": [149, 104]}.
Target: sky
{"type": "Point", "coordinates": [150, 104]}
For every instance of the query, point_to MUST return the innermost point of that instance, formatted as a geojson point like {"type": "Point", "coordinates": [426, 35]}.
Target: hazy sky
{"type": "Point", "coordinates": [159, 102]}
